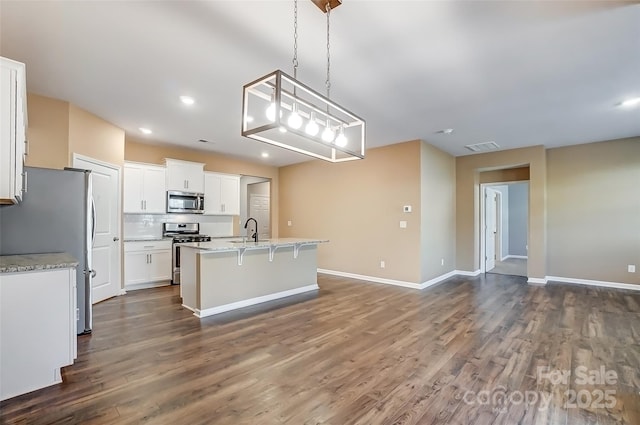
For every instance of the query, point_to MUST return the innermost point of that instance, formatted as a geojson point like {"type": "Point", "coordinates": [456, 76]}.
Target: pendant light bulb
{"type": "Point", "coordinates": [312, 127]}
{"type": "Point", "coordinates": [271, 112]}
{"type": "Point", "coordinates": [328, 134]}
{"type": "Point", "coordinates": [295, 120]}
{"type": "Point", "coordinates": [341, 140]}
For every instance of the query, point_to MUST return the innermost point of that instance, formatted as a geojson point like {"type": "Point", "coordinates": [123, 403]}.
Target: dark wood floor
{"type": "Point", "coordinates": [354, 353]}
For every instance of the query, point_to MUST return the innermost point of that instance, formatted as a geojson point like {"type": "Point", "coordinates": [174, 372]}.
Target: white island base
{"type": "Point", "coordinates": [220, 277]}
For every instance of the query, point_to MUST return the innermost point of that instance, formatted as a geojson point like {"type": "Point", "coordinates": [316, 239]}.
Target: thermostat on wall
{"type": "Point", "coordinates": [406, 208]}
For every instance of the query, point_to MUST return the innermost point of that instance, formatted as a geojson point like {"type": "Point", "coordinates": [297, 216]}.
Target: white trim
{"type": "Point", "coordinates": [602, 283]}
{"type": "Point", "coordinates": [504, 258]}
{"type": "Point", "coordinates": [402, 283]}
{"type": "Point", "coordinates": [535, 281]}
{"type": "Point", "coordinates": [122, 291]}
{"type": "Point", "coordinates": [437, 280]}
{"type": "Point", "coordinates": [251, 301]}
{"type": "Point", "coordinates": [372, 279]}
{"type": "Point", "coordinates": [524, 257]}
{"type": "Point", "coordinates": [466, 273]}
{"type": "Point", "coordinates": [146, 285]}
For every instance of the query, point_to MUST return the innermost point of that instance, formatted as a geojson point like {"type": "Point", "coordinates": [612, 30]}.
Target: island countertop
{"type": "Point", "coordinates": [220, 246]}
{"type": "Point", "coordinates": [29, 262]}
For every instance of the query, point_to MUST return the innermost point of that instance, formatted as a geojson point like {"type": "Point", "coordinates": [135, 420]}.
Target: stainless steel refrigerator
{"type": "Point", "coordinates": [56, 215]}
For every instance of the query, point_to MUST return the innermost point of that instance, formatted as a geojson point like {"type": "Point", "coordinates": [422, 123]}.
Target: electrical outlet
{"type": "Point", "coordinates": [382, 265]}
{"type": "Point", "coordinates": [289, 223]}
{"type": "Point", "coordinates": [631, 268]}
{"type": "Point", "coordinates": [442, 262]}
{"type": "Point", "coordinates": [403, 224]}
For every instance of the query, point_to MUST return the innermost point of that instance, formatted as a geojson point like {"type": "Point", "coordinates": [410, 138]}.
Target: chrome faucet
{"type": "Point", "coordinates": [255, 234]}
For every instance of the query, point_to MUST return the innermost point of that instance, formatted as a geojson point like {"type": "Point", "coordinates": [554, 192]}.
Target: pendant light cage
{"type": "Point", "coordinates": [280, 110]}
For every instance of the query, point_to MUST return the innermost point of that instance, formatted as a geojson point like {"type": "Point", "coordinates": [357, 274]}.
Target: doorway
{"type": "Point", "coordinates": [107, 247]}
{"type": "Point", "coordinates": [504, 224]}
{"type": "Point", "coordinates": [255, 201]}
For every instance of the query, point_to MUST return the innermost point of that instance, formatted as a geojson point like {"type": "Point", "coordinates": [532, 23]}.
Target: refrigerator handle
{"type": "Point", "coordinates": [93, 221]}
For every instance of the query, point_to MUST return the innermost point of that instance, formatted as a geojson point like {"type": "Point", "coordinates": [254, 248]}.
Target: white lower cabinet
{"type": "Point", "coordinates": [37, 329]}
{"type": "Point", "coordinates": [146, 264]}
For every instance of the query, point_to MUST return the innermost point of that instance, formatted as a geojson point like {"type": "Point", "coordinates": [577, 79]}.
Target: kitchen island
{"type": "Point", "coordinates": [220, 276]}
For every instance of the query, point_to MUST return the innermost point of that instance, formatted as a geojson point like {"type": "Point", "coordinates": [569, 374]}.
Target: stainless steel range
{"type": "Point", "coordinates": [182, 233]}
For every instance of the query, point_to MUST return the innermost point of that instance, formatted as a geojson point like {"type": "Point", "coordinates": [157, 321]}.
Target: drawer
{"type": "Point", "coordinates": [147, 245]}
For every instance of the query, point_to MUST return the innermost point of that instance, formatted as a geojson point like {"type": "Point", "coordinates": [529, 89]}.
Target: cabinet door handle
{"type": "Point", "coordinates": [150, 258]}
{"type": "Point", "coordinates": [141, 204]}
{"type": "Point", "coordinates": [145, 205]}
{"type": "Point", "coordinates": [25, 182]}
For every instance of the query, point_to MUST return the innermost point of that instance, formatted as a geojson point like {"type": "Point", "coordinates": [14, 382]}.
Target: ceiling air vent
{"type": "Point", "coordinates": [483, 147]}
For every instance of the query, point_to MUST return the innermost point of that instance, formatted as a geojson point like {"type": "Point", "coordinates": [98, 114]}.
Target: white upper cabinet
{"type": "Point", "coordinates": [13, 128]}
{"type": "Point", "coordinates": [185, 176]}
{"type": "Point", "coordinates": [221, 194]}
{"type": "Point", "coordinates": [144, 189]}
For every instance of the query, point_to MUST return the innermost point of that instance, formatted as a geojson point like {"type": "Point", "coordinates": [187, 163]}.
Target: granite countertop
{"type": "Point", "coordinates": [220, 246]}
{"type": "Point", "coordinates": [29, 262]}
{"type": "Point", "coordinates": [147, 239]}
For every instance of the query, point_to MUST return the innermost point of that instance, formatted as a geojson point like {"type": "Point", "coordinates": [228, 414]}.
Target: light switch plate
{"type": "Point", "coordinates": [403, 224]}
{"type": "Point", "coordinates": [631, 268]}
{"type": "Point", "coordinates": [289, 223]}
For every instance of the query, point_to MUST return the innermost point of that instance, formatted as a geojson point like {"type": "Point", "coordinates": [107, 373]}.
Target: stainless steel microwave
{"type": "Point", "coordinates": [185, 202]}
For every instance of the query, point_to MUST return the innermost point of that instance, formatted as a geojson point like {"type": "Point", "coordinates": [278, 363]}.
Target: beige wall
{"type": "Point", "coordinates": [357, 205]}
{"type": "Point", "coordinates": [594, 211]}
{"type": "Point", "coordinates": [94, 137]}
{"type": "Point", "coordinates": [58, 129]}
{"type": "Point", "coordinates": [468, 170]}
{"type": "Point", "coordinates": [438, 206]}
{"type": "Point", "coordinates": [505, 175]}
{"type": "Point", "coordinates": [48, 132]}
{"type": "Point", "coordinates": [137, 151]}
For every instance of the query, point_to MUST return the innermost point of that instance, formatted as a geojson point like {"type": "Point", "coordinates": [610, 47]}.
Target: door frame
{"type": "Point", "coordinates": [118, 169]}
{"type": "Point", "coordinates": [483, 218]}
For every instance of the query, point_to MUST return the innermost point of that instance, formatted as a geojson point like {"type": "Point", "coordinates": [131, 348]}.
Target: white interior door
{"type": "Point", "coordinates": [106, 246]}
{"type": "Point", "coordinates": [259, 206]}
{"type": "Point", "coordinates": [490, 228]}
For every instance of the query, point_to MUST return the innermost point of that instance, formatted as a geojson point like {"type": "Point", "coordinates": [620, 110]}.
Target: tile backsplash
{"type": "Point", "coordinates": [150, 225]}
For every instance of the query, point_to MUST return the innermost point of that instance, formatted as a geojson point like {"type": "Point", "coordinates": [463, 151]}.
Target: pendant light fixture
{"type": "Point", "coordinates": [280, 110]}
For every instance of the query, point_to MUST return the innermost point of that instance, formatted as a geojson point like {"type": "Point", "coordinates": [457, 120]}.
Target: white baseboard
{"type": "Point", "coordinates": [523, 257]}
{"type": "Point", "coordinates": [536, 281]}
{"type": "Point", "coordinates": [372, 279]}
{"type": "Point", "coordinates": [146, 285]}
{"type": "Point", "coordinates": [466, 273]}
{"type": "Point", "coordinates": [252, 301]}
{"type": "Point", "coordinates": [601, 283]}
{"type": "Point", "coordinates": [438, 279]}
{"type": "Point", "coordinates": [402, 283]}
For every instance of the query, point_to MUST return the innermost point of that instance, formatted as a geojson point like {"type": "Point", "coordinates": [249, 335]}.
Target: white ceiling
{"type": "Point", "coordinates": [519, 73]}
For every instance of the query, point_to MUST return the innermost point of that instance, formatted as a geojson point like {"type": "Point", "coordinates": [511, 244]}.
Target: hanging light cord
{"type": "Point", "coordinates": [328, 82]}
{"type": "Point", "coordinates": [295, 39]}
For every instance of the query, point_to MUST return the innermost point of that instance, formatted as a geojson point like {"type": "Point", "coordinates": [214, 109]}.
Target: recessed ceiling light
{"type": "Point", "coordinates": [265, 154]}
{"type": "Point", "coordinates": [187, 100]}
{"type": "Point", "coordinates": [145, 130]}
{"type": "Point", "coordinates": [629, 103]}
